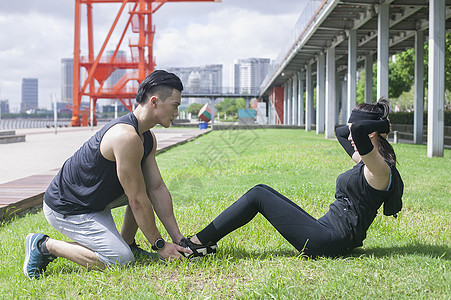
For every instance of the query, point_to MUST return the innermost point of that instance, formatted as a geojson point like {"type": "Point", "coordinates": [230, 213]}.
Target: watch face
{"type": "Point", "coordinates": [159, 244]}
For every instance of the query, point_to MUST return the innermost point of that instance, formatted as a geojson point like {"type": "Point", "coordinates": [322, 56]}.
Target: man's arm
{"type": "Point", "coordinates": [127, 149]}
{"type": "Point", "coordinates": [159, 195]}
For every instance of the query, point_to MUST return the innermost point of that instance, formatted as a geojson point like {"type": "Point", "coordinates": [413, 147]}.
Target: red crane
{"type": "Point", "coordinates": [99, 66]}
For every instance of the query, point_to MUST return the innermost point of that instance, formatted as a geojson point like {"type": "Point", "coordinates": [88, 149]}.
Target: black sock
{"type": "Point", "coordinates": [42, 246]}
{"type": "Point", "coordinates": [133, 245]}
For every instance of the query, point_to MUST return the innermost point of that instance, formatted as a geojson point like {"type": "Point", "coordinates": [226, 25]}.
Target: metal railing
{"type": "Point", "coordinates": [303, 21]}
{"type": "Point", "coordinates": [226, 91]}
{"type": "Point", "coordinates": [32, 123]}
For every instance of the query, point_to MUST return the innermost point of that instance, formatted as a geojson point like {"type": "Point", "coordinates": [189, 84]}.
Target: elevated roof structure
{"type": "Point", "coordinates": [356, 33]}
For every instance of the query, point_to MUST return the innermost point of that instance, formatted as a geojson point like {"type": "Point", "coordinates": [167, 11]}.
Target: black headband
{"type": "Point", "coordinates": [158, 77]}
{"type": "Point", "coordinates": [358, 115]}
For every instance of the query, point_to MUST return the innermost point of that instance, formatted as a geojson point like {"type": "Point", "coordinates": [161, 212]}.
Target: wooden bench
{"type": "Point", "coordinates": [24, 195]}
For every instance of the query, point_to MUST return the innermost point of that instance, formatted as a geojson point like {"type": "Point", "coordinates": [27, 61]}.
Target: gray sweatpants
{"type": "Point", "coordinates": [96, 231]}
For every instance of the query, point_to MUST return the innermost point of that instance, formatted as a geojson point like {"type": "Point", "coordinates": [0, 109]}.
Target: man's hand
{"type": "Point", "coordinates": [172, 251]}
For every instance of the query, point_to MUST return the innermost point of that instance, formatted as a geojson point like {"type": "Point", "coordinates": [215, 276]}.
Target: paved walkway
{"type": "Point", "coordinates": [27, 168]}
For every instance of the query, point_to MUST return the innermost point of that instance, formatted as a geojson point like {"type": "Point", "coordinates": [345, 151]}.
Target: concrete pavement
{"type": "Point", "coordinates": [43, 152]}
{"type": "Point", "coordinates": [26, 168]}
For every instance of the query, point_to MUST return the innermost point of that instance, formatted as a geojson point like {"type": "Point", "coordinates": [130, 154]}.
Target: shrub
{"type": "Point", "coordinates": [407, 118]}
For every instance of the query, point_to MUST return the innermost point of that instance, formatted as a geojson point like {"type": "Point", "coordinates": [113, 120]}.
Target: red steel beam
{"type": "Point", "coordinates": [98, 69]}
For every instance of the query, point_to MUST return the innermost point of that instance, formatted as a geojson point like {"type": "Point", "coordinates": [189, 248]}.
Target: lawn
{"type": "Point", "coordinates": [408, 257]}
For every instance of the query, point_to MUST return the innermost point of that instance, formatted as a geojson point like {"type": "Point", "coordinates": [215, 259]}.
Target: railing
{"type": "Point", "coordinates": [32, 123]}
{"type": "Point", "coordinates": [304, 20]}
{"type": "Point", "coordinates": [253, 91]}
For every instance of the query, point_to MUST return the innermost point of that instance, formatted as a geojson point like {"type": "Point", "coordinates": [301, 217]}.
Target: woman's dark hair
{"type": "Point", "coordinates": [382, 107]}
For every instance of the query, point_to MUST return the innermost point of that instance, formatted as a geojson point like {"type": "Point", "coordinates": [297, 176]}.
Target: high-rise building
{"type": "Point", "coordinates": [204, 79]}
{"type": "Point", "coordinates": [29, 94]}
{"type": "Point", "coordinates": [249, 74]}
{"type": "Point", "coordinates": [4, 106]}
{"type": "Point", "coordinates": [210, 77]}
{"type": "Point", "coordinates": [67, 75]}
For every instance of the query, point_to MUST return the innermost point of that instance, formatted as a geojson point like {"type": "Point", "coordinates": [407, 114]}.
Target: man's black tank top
{"type": "Point", "coordinates": [87, 181]}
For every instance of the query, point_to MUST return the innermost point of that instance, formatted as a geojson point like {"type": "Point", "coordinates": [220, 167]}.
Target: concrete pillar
{"type": "Point", "coordinates": [330, 93]}
{"type": "Point", "coordinates": [382, 51]}
{"type": "Point", "coordinates": [290, 101]}
{"type": "Point", "coordinates": [338, 99]}
{"type": "Point", "coordinates": [213, 112]}
{"type": "Point", "coordinates": [294, 100]}
{"type": "Point", "coordinates": [352, 72]}
{"type": "Point", "coordinates": [320, 93]}
{"type": "Point", "coordinates": [309, 98]}
{"type": "Point", "coordinates": [344, 103]}
{"type": "Point", "coordinates": [301, 118]}
{"type": "Point", "coordinates": [436, 85]}
{"type": "Point", "coordinates": [285, 103]}
{"type": "Point", "coordinates": [419, 89]}
{"type": "Point", "coordinates": [369, 78]}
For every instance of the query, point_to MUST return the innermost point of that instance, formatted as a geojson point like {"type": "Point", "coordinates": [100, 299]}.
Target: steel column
{"type": "Point", "coordinates": [352, 72]}
{"type": "Point", "coordinates": [436, 85]}
{"type": "Point", "coordinates": [330, 93]}
{"type": "Point", "coordinates": [382, 51]}
{"type": "Point", "coordinates": [419, 89]}
{"type": "Point", "coordinates": [320, 93]}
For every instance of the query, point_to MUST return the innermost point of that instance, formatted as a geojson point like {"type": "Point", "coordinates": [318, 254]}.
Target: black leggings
{"type": "Point", "coordinates": [309, 236]}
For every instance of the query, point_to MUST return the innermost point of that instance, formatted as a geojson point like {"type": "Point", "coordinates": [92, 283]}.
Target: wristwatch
{"type": "Point", "coordinates": [159, 244]}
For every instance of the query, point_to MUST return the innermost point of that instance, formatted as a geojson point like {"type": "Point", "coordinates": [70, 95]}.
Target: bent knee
{"type": "Point", "coordinates": [259, 188]}
{"type": "Point", "coordinates": [120, 257]}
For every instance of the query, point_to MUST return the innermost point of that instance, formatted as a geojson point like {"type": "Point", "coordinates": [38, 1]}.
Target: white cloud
{"type": "Point", "coordinates": [34, 39]}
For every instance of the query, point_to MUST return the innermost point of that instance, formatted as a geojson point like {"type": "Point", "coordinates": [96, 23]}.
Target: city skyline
{"type": "Point", "coordinates": [187, 34]}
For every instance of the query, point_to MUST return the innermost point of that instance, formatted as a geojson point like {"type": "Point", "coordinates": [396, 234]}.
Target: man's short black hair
{"type": "Point", "coordinates": [160, 83]}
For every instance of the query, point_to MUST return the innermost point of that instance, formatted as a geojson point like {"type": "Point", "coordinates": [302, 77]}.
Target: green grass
{"type": "Point", "coordinates": [408, 257]}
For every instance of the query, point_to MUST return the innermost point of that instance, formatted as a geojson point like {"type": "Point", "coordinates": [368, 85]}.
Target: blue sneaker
{"type": "Point", "coordinates": [35, 262]}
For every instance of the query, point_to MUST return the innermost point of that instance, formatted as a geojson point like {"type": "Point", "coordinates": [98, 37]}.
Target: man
{"type": "Point", "coordinates": [118, 160]}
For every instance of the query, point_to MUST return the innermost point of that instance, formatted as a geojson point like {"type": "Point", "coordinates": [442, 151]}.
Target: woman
{"type": "Point", "coordinates": [359, 194]}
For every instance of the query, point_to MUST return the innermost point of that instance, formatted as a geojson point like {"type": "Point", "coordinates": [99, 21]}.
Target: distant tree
{"type": "Point", "coordinates": [230, 106]}
{"type": "Point", "coordinates": [402, 74]}
{"type": "Point", "coordinates": [194, 108]}
{"type": "Point", "coordinates": [398, 81]}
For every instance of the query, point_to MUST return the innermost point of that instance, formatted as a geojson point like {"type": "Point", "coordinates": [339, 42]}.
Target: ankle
{"type": "Point", "coordinates": [42, 246]}
{"type": "Point", "coordinates": [195, 240]}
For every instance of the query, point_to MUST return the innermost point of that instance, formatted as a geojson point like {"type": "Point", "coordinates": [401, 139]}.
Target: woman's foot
{"type": "Point", "coordinates": [195, 240]}
{"type": "Point", "coordinates": [198, 249]}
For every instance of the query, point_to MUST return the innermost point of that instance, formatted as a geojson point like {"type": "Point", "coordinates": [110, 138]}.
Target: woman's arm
{"type": "Point", "coordinates": [365, 137]}
{"type": "Point", "coordinates": [342, 134]}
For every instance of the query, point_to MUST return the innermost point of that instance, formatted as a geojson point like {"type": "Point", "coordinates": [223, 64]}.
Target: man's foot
{"type": "Point", "coordinates": [139, 253]}
{"type": "Point", "coordinates": [35, 262]}
{"type": "Point", "coordinates": [198, 250]}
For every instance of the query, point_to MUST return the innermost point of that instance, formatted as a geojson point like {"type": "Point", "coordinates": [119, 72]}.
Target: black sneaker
{"type": "Point", "coordinates": [139, 253]}
{"type": "Point", "coordinates": [198, 250]}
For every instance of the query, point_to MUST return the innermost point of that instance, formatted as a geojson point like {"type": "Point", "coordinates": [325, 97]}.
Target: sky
{"type": "Point", "coordinates": [36, 35]}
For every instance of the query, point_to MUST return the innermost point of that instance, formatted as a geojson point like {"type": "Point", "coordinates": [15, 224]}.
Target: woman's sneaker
{"type": "Point", "coordinates": [198, 250]}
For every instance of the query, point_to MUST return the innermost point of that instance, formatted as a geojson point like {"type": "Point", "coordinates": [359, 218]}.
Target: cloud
{"type": "Point", "coordinates": [36, 35]}
{"type": "Point", "coordinates": [228, 34]}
